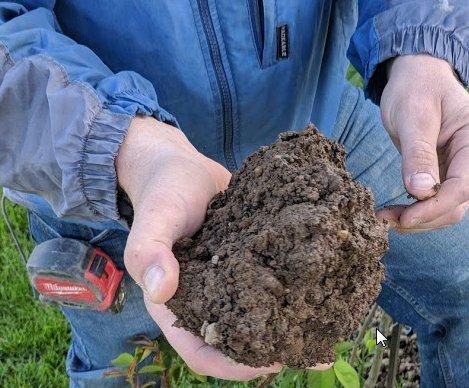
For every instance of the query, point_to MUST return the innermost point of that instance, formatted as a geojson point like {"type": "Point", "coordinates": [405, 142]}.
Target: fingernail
{"type": "Point", "coordinates": [422, 181]}
{"type": "Point", "coordinates": [152, 279]}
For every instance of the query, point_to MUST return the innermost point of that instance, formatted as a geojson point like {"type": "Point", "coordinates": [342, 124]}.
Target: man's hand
{"type": "Point", "coordinates": [170, 185]}
{"type": "Point", "coordinates": [200, 357]}
{"type": "Point", "coordinates": [425, 109]}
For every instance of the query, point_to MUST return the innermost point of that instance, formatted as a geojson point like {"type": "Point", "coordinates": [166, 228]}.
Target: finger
{"type": "Point", "coordinates": [421, 230]}
{"type": "Point", "coordinates": [391, 214]}
{"type": "Point", "coordinates": [446, 220]}
{"type": "Point", "coordinates": [449, 204]}
{"type": "Point", "coordinates": [199, 356]}
{"type": "Point", "coordinates": [418, 130]}
{"type": "Point", "coordinates": [148, 256]}
{"type": "Point", "coordinates": [452, 194]}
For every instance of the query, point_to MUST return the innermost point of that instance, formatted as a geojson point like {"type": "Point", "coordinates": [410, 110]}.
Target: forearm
{"type": "Point", "coordinates": [63, 116]}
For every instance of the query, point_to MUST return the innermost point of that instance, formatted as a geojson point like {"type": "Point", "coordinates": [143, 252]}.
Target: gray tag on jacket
{"type": "Point", "coordinates": [282, 42]}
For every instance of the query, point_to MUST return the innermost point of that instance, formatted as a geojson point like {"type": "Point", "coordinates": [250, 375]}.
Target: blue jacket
{"type": "Point", "coordinates": [231, 73]}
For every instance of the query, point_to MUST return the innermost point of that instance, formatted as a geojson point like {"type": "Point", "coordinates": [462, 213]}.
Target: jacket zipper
{"type": "Point", "coordinates": [222, 82]}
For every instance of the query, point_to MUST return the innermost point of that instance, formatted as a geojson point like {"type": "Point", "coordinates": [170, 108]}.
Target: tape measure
{"type": "Point", "coordinates": [73, 273]}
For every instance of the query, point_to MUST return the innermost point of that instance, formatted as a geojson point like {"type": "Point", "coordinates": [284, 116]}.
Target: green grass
{"type": "Point", "coordinates": [34, 337]}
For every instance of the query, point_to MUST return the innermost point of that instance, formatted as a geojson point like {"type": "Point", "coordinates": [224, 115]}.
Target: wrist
{"type": "Point", "coordinates": [419, 65]}
{"type": "Point", "coordinates": [153, 149]}
{"type": "Point", "coordinates": [147, 141]}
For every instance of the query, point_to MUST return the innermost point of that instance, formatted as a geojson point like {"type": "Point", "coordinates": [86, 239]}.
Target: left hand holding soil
{"type": "Point", "coordinates": [199, 356]}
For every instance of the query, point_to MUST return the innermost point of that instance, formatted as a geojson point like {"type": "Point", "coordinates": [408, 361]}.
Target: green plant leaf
{"type": "Point", "coordinates": [138, 353]}
{"type": "Point", "coordinates": [291, 377]}
{"type": "Point", "coordinates": [123, 360]}
{"type": "Point", "coordinates": [151, 369]}
{"type": "Point", "coordinates": [321, 379]}
{"type": "Point", "coordinates": [345, 373]}
{"type": "Point", "coordinates": [145, 354]}
{"type": "Point", "coordinates": [354, 77]}
{"type": "Point", "coordinates": [370, 345]}
{"type": "Point", "coordinates": [368, 335]}
{"type": "Point", "coordinates": [167, 354]}
{"type": "Point", "coordinates": [343, 347]}
{"type": "Point", "coordinates": [176, 371]}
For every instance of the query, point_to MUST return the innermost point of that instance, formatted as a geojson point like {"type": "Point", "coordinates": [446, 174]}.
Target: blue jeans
{"type": "Point", "coordinates": [427, 275]}
{"type": "Point", "coordinates": [98, 337]}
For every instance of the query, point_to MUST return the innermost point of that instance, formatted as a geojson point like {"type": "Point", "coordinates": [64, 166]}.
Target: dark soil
{"type": "Point", "coordinates": [287, 261]}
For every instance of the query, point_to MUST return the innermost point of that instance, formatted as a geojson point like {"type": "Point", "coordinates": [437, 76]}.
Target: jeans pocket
{"type": "Point", "coordinates": [39, 229]}
{"type": "Point", "coordinates": [111, 241]}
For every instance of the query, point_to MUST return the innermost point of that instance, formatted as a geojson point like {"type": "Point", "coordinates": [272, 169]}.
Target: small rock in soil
{"type": "Point", "coordinates": [287, 260]}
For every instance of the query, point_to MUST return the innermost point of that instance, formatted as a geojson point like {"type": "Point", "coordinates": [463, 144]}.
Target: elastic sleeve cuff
{"type": "Point", "coordinates": [97, 125]}
{"type": "Point", "coordinates": [96, 171]}
{"type": "Point", "coordinates": [423, 39]}
{"type": "Point", "coordinates": [106, 134]}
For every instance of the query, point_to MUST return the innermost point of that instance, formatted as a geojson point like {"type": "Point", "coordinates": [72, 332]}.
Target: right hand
{"type": "Point", "coordinates": [170, 185]}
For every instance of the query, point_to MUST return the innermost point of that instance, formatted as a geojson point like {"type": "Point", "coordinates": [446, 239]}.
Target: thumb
{"type": "Point", "coordinates": [148, 256]}
{"type": "Point", "coordinates": [418, 143]}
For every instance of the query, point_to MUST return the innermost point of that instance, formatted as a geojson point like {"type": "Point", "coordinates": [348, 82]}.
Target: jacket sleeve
{"type": "Point", "coordinates": [63, 115]}
{"type": "Point", "coordinates": [387, 28]}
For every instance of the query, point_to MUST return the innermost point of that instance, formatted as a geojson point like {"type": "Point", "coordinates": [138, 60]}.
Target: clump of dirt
{"type": "Point", "coordinates": [287, 261]}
